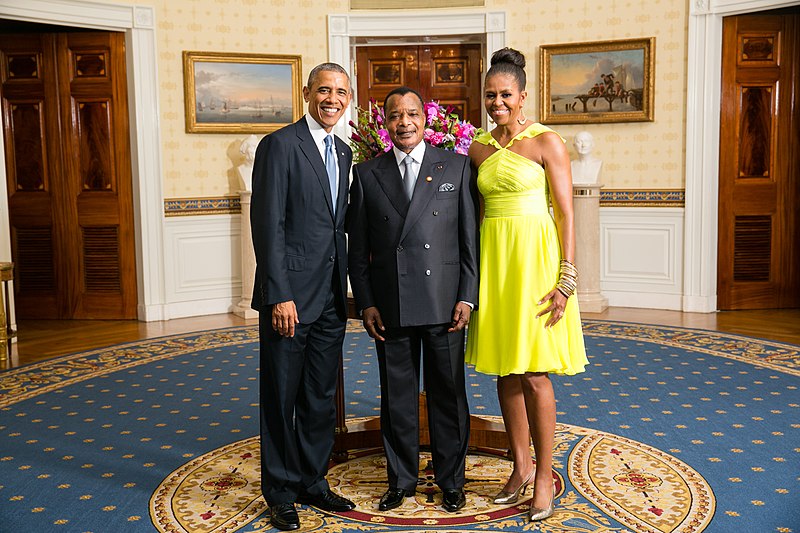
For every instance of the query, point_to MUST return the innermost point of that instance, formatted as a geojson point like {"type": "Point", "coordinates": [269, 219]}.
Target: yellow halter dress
{"type": "Point", "coordinates": [520, 254]}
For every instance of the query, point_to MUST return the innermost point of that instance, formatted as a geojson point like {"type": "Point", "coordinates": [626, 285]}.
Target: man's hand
{"type": "Point", "coordinates": [284, 318]}
{"type": "Point", "coordinates": [460, 317]}
{"type": "Point", "coordinates": [373, 323]}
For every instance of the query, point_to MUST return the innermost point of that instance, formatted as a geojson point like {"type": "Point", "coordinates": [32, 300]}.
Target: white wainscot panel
{"type": "Point", "coordinates": [202, 264]}
{"type": "Point", "coordinates": [642, 256]}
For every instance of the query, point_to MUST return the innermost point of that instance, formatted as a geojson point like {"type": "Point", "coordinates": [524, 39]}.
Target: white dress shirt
{"type": "Point", "coordinates": [416, 155]}
{"type": "Point", "coordinates": [318, 133]}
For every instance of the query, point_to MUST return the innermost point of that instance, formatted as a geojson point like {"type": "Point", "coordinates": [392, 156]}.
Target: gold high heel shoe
{"type": "Point", "coordinates": [504, 497]}
{"type": "Point", "coordinates": [536, 514]}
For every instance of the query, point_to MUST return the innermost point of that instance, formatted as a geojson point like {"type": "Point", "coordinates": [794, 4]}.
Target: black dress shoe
{"type": "Point", "coordinates": [283, 516]}
{"type": "Point", "coordinates": [327, 501]}
{"type": "Point", "coordinates": [393, 498]}
{"type": "Point", "coordinates": [453, 500]}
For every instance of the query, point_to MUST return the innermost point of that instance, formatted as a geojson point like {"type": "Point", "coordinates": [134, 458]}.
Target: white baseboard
{"type": "Point", "coordinates": [644, 300]}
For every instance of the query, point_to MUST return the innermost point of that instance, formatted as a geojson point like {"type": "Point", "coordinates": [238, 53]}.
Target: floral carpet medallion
{"type": "Point", "coordinates": [643, 488]}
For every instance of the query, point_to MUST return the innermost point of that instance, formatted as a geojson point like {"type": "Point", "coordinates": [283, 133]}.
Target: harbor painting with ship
{"type": "Point", "coordinates": [243, 93]}
{"type": "Point", "coordinates": [240, 93]}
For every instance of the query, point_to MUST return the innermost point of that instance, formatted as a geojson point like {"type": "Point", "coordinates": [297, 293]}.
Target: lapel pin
{"type": "Point", "coordinates": [429, 178]}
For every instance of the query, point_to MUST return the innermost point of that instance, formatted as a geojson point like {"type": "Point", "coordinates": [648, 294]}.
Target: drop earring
{"type": "Point", "coordinates": [522, 119]}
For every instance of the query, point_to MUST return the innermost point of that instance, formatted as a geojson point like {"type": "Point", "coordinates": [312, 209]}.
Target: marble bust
{"type": "Point", "coordinates": [248, 150]}
{"type": "Point", "coordinates": [586, 168]}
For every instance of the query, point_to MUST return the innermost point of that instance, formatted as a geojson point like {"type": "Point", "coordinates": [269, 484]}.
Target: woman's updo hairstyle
{"type": "Point", "coordinates": [509, 61]}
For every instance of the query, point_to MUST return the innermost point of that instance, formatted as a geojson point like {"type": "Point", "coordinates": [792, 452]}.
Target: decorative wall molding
{"type": "Point", "coordinates": [640, 248]}
{"type": "Point", "coordinates": [641, 252]}
{"type": "Point", "coordinates": [219, 205]}
{"type": "Point", "coordinates": [642, 198]}
{"type": "Point", "coordinates": [226, 205]}
{"type": "Point", "coordinates": [203, 271]}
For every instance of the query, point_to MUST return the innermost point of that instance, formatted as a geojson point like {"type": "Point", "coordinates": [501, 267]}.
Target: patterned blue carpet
{"type": "Point", "coordinates": [670, 429]}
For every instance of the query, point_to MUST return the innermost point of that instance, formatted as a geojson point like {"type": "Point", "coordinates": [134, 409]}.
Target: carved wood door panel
{"type": "Point", "coordinates": [759, 174]}
{"type": "Point", "coordinates": [65, 121]}
{"type": "Point", "coordinates": [450, 74]}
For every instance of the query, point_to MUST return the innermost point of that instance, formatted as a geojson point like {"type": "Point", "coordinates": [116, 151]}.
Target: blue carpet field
{"type": "Point", "coordinates": [668, 430]}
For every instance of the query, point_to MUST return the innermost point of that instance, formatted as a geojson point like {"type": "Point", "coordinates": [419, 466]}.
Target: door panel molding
{"type": "Point", "coordinates": [138, 23]}
{"type": "Point", "coordinates": [343, 29]}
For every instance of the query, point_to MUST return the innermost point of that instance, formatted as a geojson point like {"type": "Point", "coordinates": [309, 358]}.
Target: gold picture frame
{"type": "Point", "coordinates": [597, 82]}
{"type": "Point", "coordinates": [241, 93]}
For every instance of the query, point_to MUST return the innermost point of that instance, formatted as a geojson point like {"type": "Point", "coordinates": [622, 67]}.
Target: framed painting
{"type": "Point", "coordinates": [603, 81]}
{"type": "Point", "coordinates": [240, 93]}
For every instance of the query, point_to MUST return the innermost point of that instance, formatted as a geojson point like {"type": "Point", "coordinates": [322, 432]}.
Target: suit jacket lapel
{"type": "Point", "coordinates": [390, 180]}
{"type": "Point", "coordinates": [309, 148]}
{"type": "Point", "coordinates": [433, 168]}
{"type": "Point", "coordinates": [344, 175]}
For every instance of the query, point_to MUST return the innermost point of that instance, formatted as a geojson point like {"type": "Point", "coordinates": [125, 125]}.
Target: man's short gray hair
{"type": "Point", "coordinates": [331, 67]}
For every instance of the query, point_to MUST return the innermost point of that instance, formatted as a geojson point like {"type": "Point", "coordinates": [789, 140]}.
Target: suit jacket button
{"type": "Point", "coordinates": [331, 259]}
{"type": "Point", "coordinates": [427, 272]}
{"type": "Point", "coordinates": [435, 213]}
{"type": "Point", "coordinates": [399, 248]}
{"type": "Point", "coordinates": [427, 246]}
{"type": "Point", "coordinates": [385, 219]}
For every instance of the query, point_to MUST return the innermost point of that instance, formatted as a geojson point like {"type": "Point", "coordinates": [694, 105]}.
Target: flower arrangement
{"type": "Point", "coordinates": [443, 129]}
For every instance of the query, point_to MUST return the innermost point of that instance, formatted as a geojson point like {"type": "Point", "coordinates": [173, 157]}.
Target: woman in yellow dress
{"type": "Point", "coordinates": [528, 323]}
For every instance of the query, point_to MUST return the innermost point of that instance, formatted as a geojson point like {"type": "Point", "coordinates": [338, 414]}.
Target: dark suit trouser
{"type": "Point", "coordinates": [298, 413]}
{"type": "Point", "coordinates": [448, 411]}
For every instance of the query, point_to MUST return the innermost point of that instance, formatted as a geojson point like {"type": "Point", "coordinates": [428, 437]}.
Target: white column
{"type": "Point", "coordinates": [243, 308]}
{"type": "Point", "coordinates": [586, 205]}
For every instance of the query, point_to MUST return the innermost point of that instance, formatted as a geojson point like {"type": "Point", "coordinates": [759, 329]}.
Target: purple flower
{"type": "Point", "coordinates": [384, 136]}
{"type": "Point", "coordinates": [443, 129]}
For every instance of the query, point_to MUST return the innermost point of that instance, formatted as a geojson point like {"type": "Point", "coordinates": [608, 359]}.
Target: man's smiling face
{"type": "Point", "coordinates": [328, 97]}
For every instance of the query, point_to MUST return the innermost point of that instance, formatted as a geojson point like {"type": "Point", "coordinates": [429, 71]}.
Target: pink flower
{"type": "Point", "coordinates": [370, 138]}
{"type": "Point", "coordinates": [383, 133]}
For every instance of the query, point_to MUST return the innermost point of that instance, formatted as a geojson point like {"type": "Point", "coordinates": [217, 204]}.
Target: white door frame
{"type": "Point", "coordinates": [343, 28]}
{"type": "Point", "coordinates": [138, 23]}
{"type": "Point", "coordinates": [704, 78]}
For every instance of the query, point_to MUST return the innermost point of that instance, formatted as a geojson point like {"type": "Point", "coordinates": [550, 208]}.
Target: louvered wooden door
{"type": "Point", "coordinates": [65, 120]}
{"type": "Point", "coordinates": [759, 174]}
{"type": "Point", "coordinates": [449, 74]}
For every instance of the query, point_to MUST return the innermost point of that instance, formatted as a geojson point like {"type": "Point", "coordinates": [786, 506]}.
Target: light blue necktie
{"type": "Point", "coordinates": [408, 176]}
{"type": "Point", "coordinates": [330, 166]}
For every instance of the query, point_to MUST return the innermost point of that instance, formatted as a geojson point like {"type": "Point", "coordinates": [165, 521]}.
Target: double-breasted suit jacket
{"type": "Point", "coordinates": [298, 239]}
{"type": "Point", "coordinates": [415, 259]}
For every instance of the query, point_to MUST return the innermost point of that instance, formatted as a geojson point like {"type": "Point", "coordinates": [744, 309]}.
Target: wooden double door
{"type": "Point", "coordinates": [449, 74]}
{"type": "Point", "coordinates": [759, 162]}
{"type": "Point", "coordinates": [65, 122]}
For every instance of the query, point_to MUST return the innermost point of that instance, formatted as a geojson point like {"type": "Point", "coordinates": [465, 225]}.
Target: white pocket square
{"type": "Point", "coordinates": [446, 187]}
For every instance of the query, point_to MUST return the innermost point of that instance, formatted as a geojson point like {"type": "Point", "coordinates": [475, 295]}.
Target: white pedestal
{"type": "Point", "coordinates": [586, 205]}
{"type": "Point", "coordinates": [243, 308]}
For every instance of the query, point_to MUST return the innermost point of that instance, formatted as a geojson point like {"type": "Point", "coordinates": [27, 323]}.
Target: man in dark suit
{"type": "Point", "coordinates": [300, 178]}
{"type": "Point", "coordinates": [413, 263]}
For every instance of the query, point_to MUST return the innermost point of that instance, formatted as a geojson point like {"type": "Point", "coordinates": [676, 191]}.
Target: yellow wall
{"type": "Point", "coordinates": [636, 155]}
{"type": "Point", "coordinates": [646, 155]}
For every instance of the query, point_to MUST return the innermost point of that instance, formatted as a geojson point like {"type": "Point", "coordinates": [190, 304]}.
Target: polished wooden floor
{"type": "Point", "coordinates": [38, 340]}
